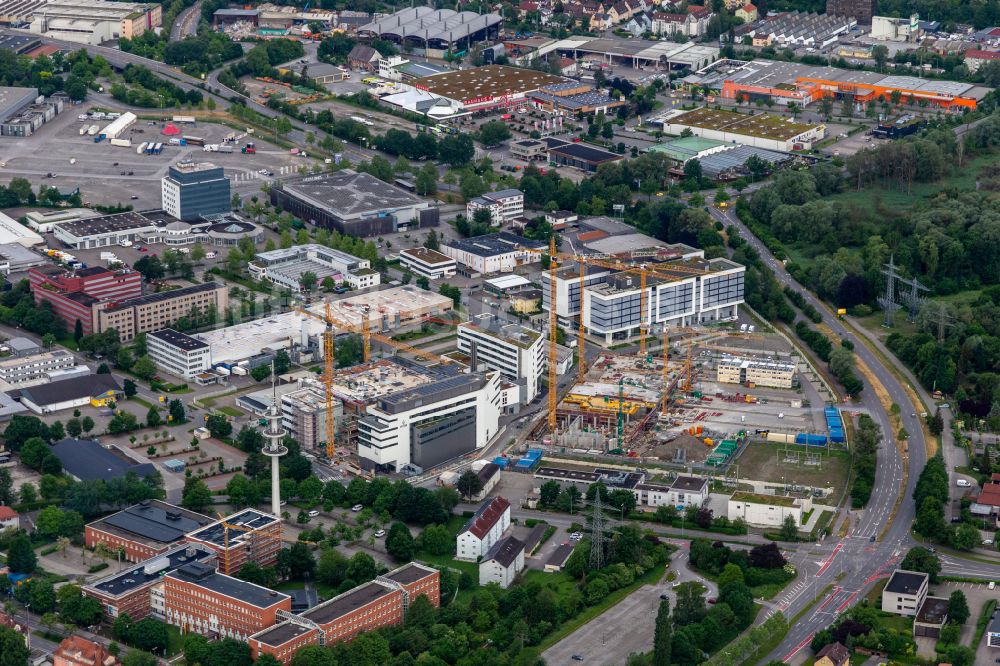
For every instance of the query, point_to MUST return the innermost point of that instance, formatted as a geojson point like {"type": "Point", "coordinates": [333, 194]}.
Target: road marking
{"type": "Point", "coordinates": [805, 642]}
{"type": "Point", "coordinates": [841, 607]}
{"type": "Point", "coordinates": [833, 593]}
{"type": "Point", "coordinates": [829, 560]}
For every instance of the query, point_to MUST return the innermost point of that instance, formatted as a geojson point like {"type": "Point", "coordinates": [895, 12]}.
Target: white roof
{"type": "Point", "coordinates": [12, 231]}
{"type": "Point", "coordinates": [508, 281]}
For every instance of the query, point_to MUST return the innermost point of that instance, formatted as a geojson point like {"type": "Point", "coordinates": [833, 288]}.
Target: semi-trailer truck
{"type": "Point", "coordinates": [125, 143]}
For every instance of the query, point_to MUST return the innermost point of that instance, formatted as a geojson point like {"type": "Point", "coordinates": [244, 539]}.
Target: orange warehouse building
{"type": "Point", "coordinates": [199, 599]}
{"type": "Point", "coordinates": [380, 603]}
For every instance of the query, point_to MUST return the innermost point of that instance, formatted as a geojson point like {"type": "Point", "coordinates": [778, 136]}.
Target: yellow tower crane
{"type": "Point", "coordinates": [226, 526]}
{"type": "Point", "coordinates": [328, 358]}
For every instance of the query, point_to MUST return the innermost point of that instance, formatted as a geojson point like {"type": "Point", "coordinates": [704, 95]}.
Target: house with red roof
{"type": "Point", "coordinates": [484, 529]}
{"type": "Point", "coordinates": [9, 518]}
{"type": "Point", "coordinates": [974, 58]}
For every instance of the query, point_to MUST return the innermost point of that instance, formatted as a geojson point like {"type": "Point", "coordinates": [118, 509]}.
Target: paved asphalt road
{"type": "Point", "coordinates": [861, 560]}
{"type": "Point", "coordinates": [186, 23]}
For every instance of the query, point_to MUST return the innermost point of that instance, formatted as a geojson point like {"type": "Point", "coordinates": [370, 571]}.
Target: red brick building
{"type": "Point", "coordinates": [144, 530]}
{"type": "Point", "coordinates": [199, 599]}
{"type": "Point", "coordinates": [380, 603]}
{"type": "Point", "coordinates": [73, 294]}
{"type": "Point", "coordinates": [252, 536]}
{"type": "Point", "coordinates": [134, 589]}
{"type": "Point", "coordinates": [78, 651]}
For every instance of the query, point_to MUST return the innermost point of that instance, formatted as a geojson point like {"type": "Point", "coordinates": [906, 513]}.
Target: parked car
{"type": "Point", "coordinates": [356, 508]}
{"type": "Point", "coordinates": [313, 513]}
{"type": "Point", "coordinates": [379, 534]}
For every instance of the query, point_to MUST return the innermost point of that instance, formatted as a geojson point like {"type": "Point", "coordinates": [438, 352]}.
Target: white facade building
{"type": "Point", "coordinates": [33, 369]}
{"type": "Point", "coordinates": [516, 352]}
{"type": "Point", "coordinates": [431, 264]}
{"type": "Point", "coordinates": [286, 267]}
{"type": "Point", "coordinates": [432, 423]}
{"type": "Point", "coordinates": [612, 302]}
{"type": "Point", "coordinates": [178, 354]}
{"type": "Point", "coordinates": [503, 205]}
{"type": "Point", "coordinates": [483, 530]}
{"type": "Point", "coordinates": [766, 510]}
{"type": "Point", "coordinates": [685, 491]}
{"type": "Point", "coordinates": [905, 592]}
{"type": "Point", "coordinates": [501, 252]}
{"type": "Point", "coordinates": [502, 563]}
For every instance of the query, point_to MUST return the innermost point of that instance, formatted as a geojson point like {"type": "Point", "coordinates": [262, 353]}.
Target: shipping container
{"type": "Point", "coordinates": [194, 140]}
{"type": "Point", "coordinates": [121, 142]}
{"type": "Point", "coordinates": [237, 370]}
{"type": "Point", "coordinates": [810, 439]}
{"type": "Point", "coordinates": [190, 120]}
{"type": "Point", "coordinates": [83, 130]}
{"type": "Point", "coordinates": [225, 148]}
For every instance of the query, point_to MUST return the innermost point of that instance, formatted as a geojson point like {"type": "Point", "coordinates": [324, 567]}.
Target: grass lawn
{"type": "Point", "coordinates": [562, 580]}
{"type": "Point", "coordinates": [900, 623]}
{"type": "Point", "coordinates": [290, 585]}
{"type": "Point", "coordinates": [145, 403]}
{"type": "Point", "coordinates": [231, 411]}
{"type": "Point", "coordinates": [760, 462]}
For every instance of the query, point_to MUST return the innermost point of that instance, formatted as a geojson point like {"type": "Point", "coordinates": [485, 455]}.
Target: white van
{"type": "Point", "coordinates": [211, 255]}
{"type": "Point", "coordinates": [962, 483]}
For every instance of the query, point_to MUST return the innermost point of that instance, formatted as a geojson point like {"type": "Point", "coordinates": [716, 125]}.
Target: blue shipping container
{"type": "Point", "coordinates": [810, 439]}
{"type": "Point", "coordinates": [500, 462]}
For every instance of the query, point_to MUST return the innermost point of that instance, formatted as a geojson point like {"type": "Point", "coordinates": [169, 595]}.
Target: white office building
{"type": "Point", "coordinates": [34, 369]}
{"type": "Point", "coordinates": [515, 351]}
{"type": "Point", "coordinates": [698, 291]}
{"type": "Point", "coordinates": [286, 267]}
{"type": "Point", "coordinates": [429, 424]}
{"type": "Point", "coordinates": [430, 264]}
{"type": "Point", "coordinates": [178, 354]}
{"type": "Point", "coordinates": [501, 252]}
{"type": "Point", "coordinates": [767, 510]}
{"type": "Point", "coordinates": [503, 205]}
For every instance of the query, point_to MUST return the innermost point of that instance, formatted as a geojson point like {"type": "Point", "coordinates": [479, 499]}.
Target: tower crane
{"type": "Point", "coordinates": [328, 358]}
{"type": "Point", "coordinates": [226, 526]}
{"type": "Point", "coordinates": [553, 324]}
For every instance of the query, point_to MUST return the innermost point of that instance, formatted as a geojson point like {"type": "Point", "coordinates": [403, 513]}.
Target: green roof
{"type": "Point", "coordinates": [686, 147]}
{"type": "Point", "coordinates": [754, 498]}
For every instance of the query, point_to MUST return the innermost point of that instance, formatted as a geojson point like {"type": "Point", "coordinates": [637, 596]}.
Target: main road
{"type": "Point", "coordinates": [877, 538]}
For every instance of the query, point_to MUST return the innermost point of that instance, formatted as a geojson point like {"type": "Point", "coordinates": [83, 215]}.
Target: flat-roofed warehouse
{"type": "Point", "coordinates": [357, 204]}
{"type": "Point", "coordinates": [489, 87]}
{"type": "Point", "coordinates": [785, 82]}
{"type": "Point", "coordinates": [759, 130]}
{"type": "Point", "coordinates": [433, 30]}
{"type": "Point", "coordinates": [634, 53]}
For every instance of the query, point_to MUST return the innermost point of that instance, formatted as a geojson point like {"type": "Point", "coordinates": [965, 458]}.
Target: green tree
{"type": "Point", "coordinates": [922, 559]}
{"type": "Point", "coordinates": [219, 426]}
{"type": "Point", "coordinates": [129, 388]}
{"type": "Point", "coordinates": [49, 521]}
{"type": "Point", "coordinates": [308, 280]}
{"type": "Point", "coordinates": [469, 484]}
{"type": "Point", "coordinates": [663, 635]}
{"type": "Point", "coordinates": [21, 556]}
{"type": "Point", "coordinates": [176, 409]}
{"type": "Point", "coordinates": [196, 496]}
{"type": "Point", "coordinates": [437, 540]}
{"type": "Point", "coordinates": [399, 543]}
{"type": "Point", "coordinates": [144, 368]}
{"type": "Point", "coordinates": [13, 650]}
{"type": "Point", "coordinates": [690, 603]}
{"type": "Point", "coordinates": [153, 417]}
{"type": "Point", "coordinates": [958, 608]}
{"type": "Point", "coordinates": [789, 529]}
{"type": "Point", "coordinates": [87, 423]}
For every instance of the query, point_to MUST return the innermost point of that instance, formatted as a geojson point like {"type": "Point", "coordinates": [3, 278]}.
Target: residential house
{"type": "Point", "coordinates": [747, 12]}
{"type": "Point", "coordinates": [9, 518]}
{"type": "Point", "coordinates": [834, 654]}
{"type": "Point", "coordinates": [601, 21]}
{"type": "Point", "coordinates": [639, 25]}
{"type": "Point", "coordinates": [363, 57]}
{"type": "Point", "coordinates": [78, 651]}
{"type": "Point", "coordinates": [502, 563]}
{"type": "Point", "coordinates": [690, 25]}
{"type": "Point", "coordinates": [483, 530]}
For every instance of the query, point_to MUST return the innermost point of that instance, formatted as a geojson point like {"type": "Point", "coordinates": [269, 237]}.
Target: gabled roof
{"type": "Point", "coordinates": [505, 551]}
{"type": "Point", "coordinates": [486, 517]}
{"type": "Point", "coordinates": [7, 513]}
{"type": "Point", "coordinates": [363, 53]}
{"type": "Point", "coordinates": [835, 652]}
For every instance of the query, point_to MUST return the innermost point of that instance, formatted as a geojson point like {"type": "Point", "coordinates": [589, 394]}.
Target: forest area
{"type": "Point", "coordinates": [929, 203]}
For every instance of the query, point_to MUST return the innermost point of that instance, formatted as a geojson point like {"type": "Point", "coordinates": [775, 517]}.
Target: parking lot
{"type": "Point", "coordinates": [96, 168]}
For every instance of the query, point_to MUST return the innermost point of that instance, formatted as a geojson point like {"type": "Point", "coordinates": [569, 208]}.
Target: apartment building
{"type": "Point", "coordinates": [199, 599]}
{"type": "Point", "coordinates": [430, 264]}
{"type": "Point", "coordinates": [144, 530]}
{"type": "Point", "coordinates": [137, 589]}
{"type": "Point", "coordinates": [152, 312]}
{"type": "Point", "coordinates": [20, 371]}
{"type": "Point", "coordinates": [685, 491]}
{"type": "Point", "coordinates": [484, 529]}
{"type": "Point", "coordinates": [502, 562]}
{"type": "Point", "coordinates": [286, 267]}
{"type": "Point", "coordinates": [178, 354]}
{"type": "Point", "coordinates": [191, 191]}
{"type": "Point", "coordinates": [750, 372]}
{"type": "Point", "coordinates": [73, 294]}
{"type": "Point", "coordinates": [379, 603]}
{"type": "Point", "coordinates": [515, 351]}
{"type": "Point", "coordinates": [252, 536]}
{"type": "Point", "coordinates": [905, 592]}
{"type": "Point", "coordinates": [431, 423]}
{"type": "Point", "coordinates": [503, 206]}
{"type": "Point", "coordinates": [303, 414]}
